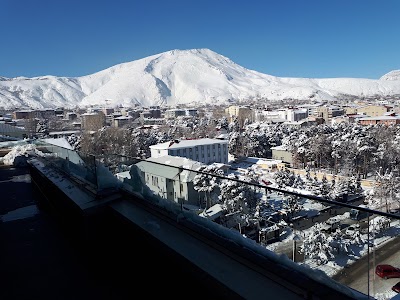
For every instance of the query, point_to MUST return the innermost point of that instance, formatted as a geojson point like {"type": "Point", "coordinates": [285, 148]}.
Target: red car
{"type": "Point", "coordinates": [396, 287]}
{"type": "Point", "coordinates": [387, 271]}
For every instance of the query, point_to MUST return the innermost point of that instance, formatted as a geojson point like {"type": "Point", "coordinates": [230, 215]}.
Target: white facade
{"type": "Point", "coordinates": [204, 150]}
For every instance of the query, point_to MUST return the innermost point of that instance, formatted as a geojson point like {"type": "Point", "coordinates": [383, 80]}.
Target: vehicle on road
{"type": "Point", "coordinates": [331, 225]}
{"type": "Point", "coordinates": [358, 215]}
{"type": "Point", "coordinates": [396, 287]}
{"type": "Point", "coordinates": [352, 229]}
{"type": "Point", "coordinates": [387, 271]}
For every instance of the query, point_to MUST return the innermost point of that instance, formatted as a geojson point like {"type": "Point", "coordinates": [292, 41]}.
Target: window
{"type": "Point", "coordinates": [154, 180]}
{"type": "Point", "coordinates": [181, 187]}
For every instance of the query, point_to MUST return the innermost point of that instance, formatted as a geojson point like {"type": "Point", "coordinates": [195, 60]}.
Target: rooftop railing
{"type": "Point", "coordinates": [345, 238]}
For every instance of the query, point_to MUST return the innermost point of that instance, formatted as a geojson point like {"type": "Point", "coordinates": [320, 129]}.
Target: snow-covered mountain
{"type": "Point", "coordinates": [180, 76]}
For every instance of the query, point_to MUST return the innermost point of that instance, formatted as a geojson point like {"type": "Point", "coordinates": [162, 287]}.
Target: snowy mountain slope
{"type": "Point", "coordinates": [392, 75]}
{"type": "Point", "coordinates": [180, 76]}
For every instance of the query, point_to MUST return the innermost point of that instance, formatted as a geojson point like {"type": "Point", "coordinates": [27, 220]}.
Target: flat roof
{"type": "Point", "coordinates": [187, 143]}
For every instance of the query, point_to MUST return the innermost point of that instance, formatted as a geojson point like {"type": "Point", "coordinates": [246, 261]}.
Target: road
{"type": "Point", "coordinates": [356, 275]}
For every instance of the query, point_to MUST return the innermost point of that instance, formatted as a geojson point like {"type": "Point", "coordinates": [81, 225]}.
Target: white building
{"type": "Point", "coordinates": [204, 150]}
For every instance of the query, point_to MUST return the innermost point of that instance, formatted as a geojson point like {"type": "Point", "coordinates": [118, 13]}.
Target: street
{"type": "Point", "coordinates": [356, 275]}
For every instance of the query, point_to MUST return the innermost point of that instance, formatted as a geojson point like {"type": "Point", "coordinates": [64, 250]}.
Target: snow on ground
{"type": "Point", "coordinates": [18, 155]}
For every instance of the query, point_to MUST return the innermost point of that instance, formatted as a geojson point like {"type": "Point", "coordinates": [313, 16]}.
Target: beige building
{"type": "Point", "coordinates": [328, 112]}
{"type": "Point", "coordinates": [93, 121]}
{"type": "Point", "coordinates": [282, 154]}
{"type": "Point", "coordinates": [374, 110]}
{"type": "Point", "coordinates": [241, 112]}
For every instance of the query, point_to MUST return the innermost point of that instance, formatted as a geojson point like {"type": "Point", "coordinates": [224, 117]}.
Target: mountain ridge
{"type": "Point", "coordinates": [181, 77]}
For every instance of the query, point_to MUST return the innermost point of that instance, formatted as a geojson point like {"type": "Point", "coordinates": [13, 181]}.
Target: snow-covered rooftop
{"type": "Point", "coordinates": [187, 143]}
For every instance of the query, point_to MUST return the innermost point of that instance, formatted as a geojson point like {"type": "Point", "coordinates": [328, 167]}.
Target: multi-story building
{"type": "Point", "coordinates": [203, 150]}
{"type": "Point", "coordinates": [93, 121]}
{"type": "Point", "coordinates": [374, 110]}
{"type": "Point", "coordinates": [240, 112]}
{"type": "Point", "coordinates": [386, 120]}
{"type": "Point", "coordinates": [122, 121]}
{"type": "Point", "coordinates": [171, 181]}
{"type": "Point", "coordinates": [328, 112]}
{"type": "Point", "coordinates": [31, 114]}
{"type": "Point", "coordinates": [296, 114]}
{"type": "Point", "coordinates": [174, 113]}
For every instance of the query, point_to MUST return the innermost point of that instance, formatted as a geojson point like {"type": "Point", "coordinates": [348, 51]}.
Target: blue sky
{"type": "Point", "coordinates": [285, 38]}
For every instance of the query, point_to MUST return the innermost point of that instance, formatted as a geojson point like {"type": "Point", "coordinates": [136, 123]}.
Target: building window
{"type": "Point", "coordinates": [154, 180]}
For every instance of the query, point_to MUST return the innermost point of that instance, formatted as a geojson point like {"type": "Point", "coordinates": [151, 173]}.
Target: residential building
{"type": "Point", "coordinates": [328, 112]}
{"type": "Point", "coordinates": [374, 110]}
{"type": "Point", "coordinates": [296, 114]}
{"type": "Point", "coordinates": [192, 112]}
{"type": "Point", "coordinates": [240, 112]}
{"type": "Point", "coordinates": [174, 182]}
{"type": "Point", "coordinates": [204, 150]}
{"type": "Point", "coordinates": [386, 120]}
{"type": "Point", "coordinates": [122, 120]}
{"type": "Point", "coordinates": [174, 113]}
{"type": "Point", "coordinates": [108, 111]}
{"type": "Point", "coordinates": [93, 121]}
{"type": "Point", "coordinates": [31, 114]}
{"type": "Point", "coordinates": [12, 131]}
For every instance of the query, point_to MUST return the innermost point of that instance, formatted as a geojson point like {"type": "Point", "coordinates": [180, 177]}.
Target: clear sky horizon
{"type": "Point", "coordinates": [288, 38]}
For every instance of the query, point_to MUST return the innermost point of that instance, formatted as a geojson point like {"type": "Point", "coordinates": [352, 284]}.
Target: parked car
{"type": "Point", "coordinates": [387, 271]}
{"type": "Point", "coordinates": [358, 215]}
{"type": "Point", "coordinates": [352, 229]}
{"type": "Point", "coordinates": [396, 287]}
{"type": "Point", "coordinates": [395, 211]}
{"type": "Point", "coordinates": [330, 225]}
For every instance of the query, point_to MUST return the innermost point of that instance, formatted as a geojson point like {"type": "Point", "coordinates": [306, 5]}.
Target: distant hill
{"type": "Point", "coordinates": [177, 77]}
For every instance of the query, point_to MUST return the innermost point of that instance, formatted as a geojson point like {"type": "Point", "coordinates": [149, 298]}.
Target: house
{"type": "Point", "coordinates": [171, 178]}
{"type": "Point", "coordinates": [204, 150]}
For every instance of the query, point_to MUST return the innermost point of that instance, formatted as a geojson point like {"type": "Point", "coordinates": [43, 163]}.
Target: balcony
{"type": "Point", "coordinates": [284, 242]}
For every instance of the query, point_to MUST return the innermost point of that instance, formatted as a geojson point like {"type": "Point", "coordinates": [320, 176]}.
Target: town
{"type": "Point", "coordinates": [232, 165]}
